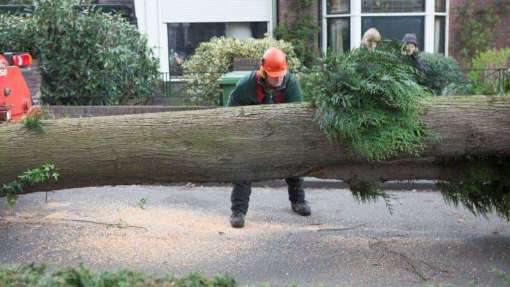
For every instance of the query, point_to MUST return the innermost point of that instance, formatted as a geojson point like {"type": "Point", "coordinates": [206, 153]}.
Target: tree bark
{"type": "Point", "coordinates": [243, 143]}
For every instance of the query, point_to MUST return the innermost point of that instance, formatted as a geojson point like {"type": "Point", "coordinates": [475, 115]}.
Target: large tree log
{"type": "Point", "coordinates": [244, 143]}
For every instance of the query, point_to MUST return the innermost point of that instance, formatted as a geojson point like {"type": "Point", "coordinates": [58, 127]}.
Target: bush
{"type": "Point", "coordinates": [91, 58]}
{"type": "Point", "coordinates": [17, 34]}
{"type": "Point", "coordinates": [443, 75]}
{"type": "Point", "coordinates": [484, 77]}
{"type": "Point", "coordinates": [85, 58]}
{"type": "Point", "coordinates": [214, 58]}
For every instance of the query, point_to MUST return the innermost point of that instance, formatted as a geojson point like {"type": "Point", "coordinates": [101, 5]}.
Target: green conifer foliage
{"type": "Point", "coordinates": [370, 101]}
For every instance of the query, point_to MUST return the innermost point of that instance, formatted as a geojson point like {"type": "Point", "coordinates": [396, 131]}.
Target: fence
{"type": "Point", "coordinates": [489, 81]}
{"type": "Point", "coordinates": [176, 73]}
{"type": "Point", "coordinates": [165, 86]}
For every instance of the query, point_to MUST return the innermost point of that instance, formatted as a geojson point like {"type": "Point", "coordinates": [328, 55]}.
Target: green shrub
{"type": "Point", "coordinates": [91, 58]}
{"type": "Point", "coordinates": [17, 34]}
{"type": "Point", "coordinates": [485, 79]}
{"type": "Point", "coordinates": [215, 57]}
{"type": "Point", "coordinates": [85, 58]}
{"type": "Point", "coordinates": [443, 75]}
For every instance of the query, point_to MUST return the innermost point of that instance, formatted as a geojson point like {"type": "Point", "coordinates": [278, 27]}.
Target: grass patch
{"type": "Point", "coordinates": [40, 276]}
{"type": "Point", "coordinates": [33, 124]}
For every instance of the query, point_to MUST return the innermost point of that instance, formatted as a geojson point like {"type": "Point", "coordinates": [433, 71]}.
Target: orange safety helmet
{"type": "Point", "coordinates": [274, 62]}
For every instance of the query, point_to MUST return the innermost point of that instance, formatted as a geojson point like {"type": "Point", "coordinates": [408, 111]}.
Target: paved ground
{"type": "Point", "coordinates": [181, 229]}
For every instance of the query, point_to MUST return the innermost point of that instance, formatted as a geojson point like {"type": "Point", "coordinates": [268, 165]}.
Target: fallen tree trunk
{"type": "Point", "coordinates": [244, 143]}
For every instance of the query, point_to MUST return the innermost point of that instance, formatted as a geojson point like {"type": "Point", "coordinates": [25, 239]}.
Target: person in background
{"type": "Point", "coordinates": [371, 39]}
{"type": "Point", "coordinates": [410, 48]}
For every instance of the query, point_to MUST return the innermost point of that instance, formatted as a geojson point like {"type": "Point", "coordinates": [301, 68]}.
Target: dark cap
{"type": "Point", "coordinates": [410, 38]}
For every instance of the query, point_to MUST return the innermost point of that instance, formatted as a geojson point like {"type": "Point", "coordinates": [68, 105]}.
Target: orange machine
{"type": "Point", "coordinates": [15, 98]}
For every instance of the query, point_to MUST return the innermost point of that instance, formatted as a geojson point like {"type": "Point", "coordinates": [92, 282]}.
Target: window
{"type": "Point", "coordinates": [345, 21]}
{"type": "Point", "coordinates": [338, 6]}
{"type": "Point", "coordinates": [441, 6]}
{"type": "Point", "coordinates": [338, 25]}
{"type": "Point", "coordinates": [184, 38]}
{"type": "Point", "coordinates": [339, 35]}
{"type": "Point", "coordinates": [379, 6]}
{"type": "Point", "coordinates": [439, 34]}
{"type": "Point", "coordinates": [395, 27]}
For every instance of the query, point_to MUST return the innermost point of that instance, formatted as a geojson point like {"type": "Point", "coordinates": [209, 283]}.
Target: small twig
{"type": "Point", "coordinates": [341, 229]}
{"type": "Point", "coordinates": [119, 225]}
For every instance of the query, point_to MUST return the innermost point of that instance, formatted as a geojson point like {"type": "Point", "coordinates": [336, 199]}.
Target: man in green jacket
{"type": "Point", "coordinates": [271, 84]}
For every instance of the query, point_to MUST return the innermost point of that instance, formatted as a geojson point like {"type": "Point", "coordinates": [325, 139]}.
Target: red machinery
{"type": "Point", "coordinates": [15, 98]}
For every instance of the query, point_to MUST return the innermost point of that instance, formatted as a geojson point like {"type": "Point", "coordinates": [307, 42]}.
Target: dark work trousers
{"type": "Point", "coordinates": [242, 189]}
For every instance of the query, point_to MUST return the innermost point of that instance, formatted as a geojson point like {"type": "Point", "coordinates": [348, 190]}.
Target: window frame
{"type": "Point", "coordinates": [355, 15]}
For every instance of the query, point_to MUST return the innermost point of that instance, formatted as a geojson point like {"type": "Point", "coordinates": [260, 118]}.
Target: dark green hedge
{"type": "Point", "coordinates": [86, 58]}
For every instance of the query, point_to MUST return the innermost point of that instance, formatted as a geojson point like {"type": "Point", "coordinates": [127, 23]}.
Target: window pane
{"type": "Point", "coordinates": [258, 29]}
{"type": "Point", "coordinates": [184, 38]}
{"type": "Point", "coordinates": [338, 6]}
{"type": "Point", "coordinates": [440, 5]}
{"type": "Point", "coordinates": [339, 35]}
{"type": "Point", "coordinates": [439, 35]}
{"type": "Point", "coordinates": [245, 30]}
{"type": "Point", "coordinates": [396, 27]}
{"type": "Point", "coordinates": [376, 6]}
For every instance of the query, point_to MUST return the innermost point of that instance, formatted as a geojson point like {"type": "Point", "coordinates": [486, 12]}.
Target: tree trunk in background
{"type": "Point", "coordinates": [243, 143]}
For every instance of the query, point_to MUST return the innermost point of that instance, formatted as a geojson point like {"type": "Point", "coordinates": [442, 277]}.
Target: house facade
{"type": "Point", "coordinates": [435, 22]}
{"type": "Point", "coordinates": [175, 28]}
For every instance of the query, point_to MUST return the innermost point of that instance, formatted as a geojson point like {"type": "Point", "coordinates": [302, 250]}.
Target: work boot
{"type": "Point", "coordinates": [237, 220]}
{"type": "Point", "coordinates": [301, 208]}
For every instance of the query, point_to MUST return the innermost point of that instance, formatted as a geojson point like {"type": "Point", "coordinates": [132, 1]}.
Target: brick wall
{"type": "Point", "coordinates": [56, 112]}
{"type": "Point", "coordinates": [287, 12]}
{"type": "Point", "coordinates": [32, 77]}
{"type": "Point", "coordinates": [501, 32]}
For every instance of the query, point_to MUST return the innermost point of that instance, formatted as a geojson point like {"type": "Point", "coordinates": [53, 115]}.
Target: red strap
{"type": "Point", "coordinates": [279, 97]}
{"type": "Point", "coordinates": [261, 93]}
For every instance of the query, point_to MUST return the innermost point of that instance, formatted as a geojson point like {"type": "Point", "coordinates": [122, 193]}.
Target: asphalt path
{"type": "Point", "coordinates": [182, 229]}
